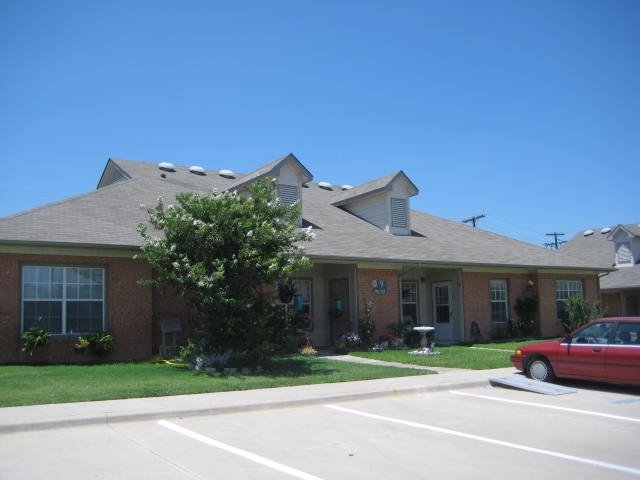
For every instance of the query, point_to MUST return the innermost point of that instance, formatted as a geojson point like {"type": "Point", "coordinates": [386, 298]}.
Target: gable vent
{"type": "Point", "coordinates": [399, 217]}
{"type": "Point", "coordinates": [227, 174]}
{"type": "Point", "coordinates": [288, 194]}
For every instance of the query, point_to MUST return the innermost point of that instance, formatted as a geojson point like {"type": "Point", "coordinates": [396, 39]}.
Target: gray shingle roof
{"type": "Point", "coordinates": [599, 250]}
{"type": "Point", "coordinates": [377, 185]}
{"type": "Point", "coordinates": [268, 170]}
{"type": "Point", "coordinates": [108, 217]}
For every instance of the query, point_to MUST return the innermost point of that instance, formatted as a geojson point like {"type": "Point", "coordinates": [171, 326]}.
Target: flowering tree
{"type": "Point", "coordinates": [219, 251]}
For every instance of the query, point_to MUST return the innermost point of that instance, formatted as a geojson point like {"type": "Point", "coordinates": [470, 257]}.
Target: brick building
{"type": "Point", "coordinates": [69, 265]}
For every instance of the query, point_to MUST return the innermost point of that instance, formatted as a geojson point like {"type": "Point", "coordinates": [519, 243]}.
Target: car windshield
{"type": "Point", "coordinates": [595, 333]}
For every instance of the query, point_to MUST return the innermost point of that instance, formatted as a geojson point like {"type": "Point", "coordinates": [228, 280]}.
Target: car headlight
{"type": "Point", "coordinates": [519, 352]}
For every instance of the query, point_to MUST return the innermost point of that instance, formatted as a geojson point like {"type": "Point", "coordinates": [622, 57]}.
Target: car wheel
{"type": "Point", "coordinates": [540, 369]}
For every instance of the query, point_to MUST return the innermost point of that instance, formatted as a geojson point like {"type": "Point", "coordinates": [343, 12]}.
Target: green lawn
{"type": "Point", "coordinates": [31, 385]}
{"type": "Point", "coordinates": [476, 357]}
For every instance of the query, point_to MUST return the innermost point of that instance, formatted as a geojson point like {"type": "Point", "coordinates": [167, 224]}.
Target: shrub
{"type": "Point", "coordinates": [367, 328]}
{"type": "Point", "coordinates": [34, 337]}
{"type": "Point", "coordinates": [577, 312]}
{"type": "Point", "coordinates": [526, 308]}
{"type": "Point", "coordinates": [101, 342]}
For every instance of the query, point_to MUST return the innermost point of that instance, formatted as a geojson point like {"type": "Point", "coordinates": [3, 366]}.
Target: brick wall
{"type": "Point", "coordinates": [477, 302]}
{"type": "Point", "coordinates": [387, 305]}
{"type": "Point", "coordinates": [128, 309]}
{"type": "Point", "coordinates": [611, 303]}
{"type": "Point", "coordinates": [167, 305]}
{"type": "Point", "coordinates": [547, 291]}
{"type": "Point", "coordinates": [477, 305]}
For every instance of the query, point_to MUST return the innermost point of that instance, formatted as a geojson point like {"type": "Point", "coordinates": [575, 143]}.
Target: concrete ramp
{"type": "Point", "coordinates": [523, 383]}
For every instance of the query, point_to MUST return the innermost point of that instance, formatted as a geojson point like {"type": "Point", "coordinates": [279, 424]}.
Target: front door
{"type": "Point", "coordinates": [442, 311]}
{"type": "Point", "coordinates": [340, 319]}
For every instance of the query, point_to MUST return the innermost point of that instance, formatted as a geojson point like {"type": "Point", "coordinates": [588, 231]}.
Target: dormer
{"type": "Point", "coordinates": [290, 175]}
{"type": "Point", "coordinates": [626, 241]}
{"type": "Point", "coordinates": [383, 202]}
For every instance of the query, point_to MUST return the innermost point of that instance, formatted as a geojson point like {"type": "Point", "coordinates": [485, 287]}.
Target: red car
{"type": "Point", "coordinates": [604, 350]}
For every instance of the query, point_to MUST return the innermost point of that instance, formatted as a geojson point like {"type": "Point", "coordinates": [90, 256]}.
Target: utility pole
{"type": "Point", "coordinates": [556, 243]}
{"type": "Point", "coordinates": [474, 219]}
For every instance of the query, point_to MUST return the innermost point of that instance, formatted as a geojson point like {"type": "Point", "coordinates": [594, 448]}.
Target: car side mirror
{"type": "Point", "coordinates": [567, 338]}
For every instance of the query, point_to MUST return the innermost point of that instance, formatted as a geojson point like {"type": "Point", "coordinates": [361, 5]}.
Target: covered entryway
{"type": "Point", "coordinates": [339, 313]}
{"type": "Point", "coordinates": [432, 296]}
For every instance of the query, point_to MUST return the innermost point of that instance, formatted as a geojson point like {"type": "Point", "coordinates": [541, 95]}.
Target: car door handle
{"type": "Point", "coordinates": [597, 349]}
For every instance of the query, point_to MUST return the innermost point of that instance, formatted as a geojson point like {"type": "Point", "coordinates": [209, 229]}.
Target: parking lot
{"type": "Point", "coordinates": [479, 433]}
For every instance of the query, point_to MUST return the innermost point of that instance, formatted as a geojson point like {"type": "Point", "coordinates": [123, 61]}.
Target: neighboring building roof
{"type": "Point", "coordinates": [633, 229]}
{"type": "Point", "coordinates": [108, 217]}
{"type": "Point", "coordinates": [598, 249]}
{"type": "Point", "coordinates": [595, 247]}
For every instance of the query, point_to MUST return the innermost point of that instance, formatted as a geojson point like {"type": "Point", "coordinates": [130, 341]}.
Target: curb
{"type": "Point", "coordinates": [107, 418]}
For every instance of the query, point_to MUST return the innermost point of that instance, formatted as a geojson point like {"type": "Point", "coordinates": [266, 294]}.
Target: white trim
{"type": "Point", "coordinates": [63, 299]}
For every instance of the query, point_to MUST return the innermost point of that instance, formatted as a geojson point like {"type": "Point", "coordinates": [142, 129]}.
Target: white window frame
{"type": "Point", "coordinates": [307, 303]}
{"type": "Point", "coordinates": [63, 284]}
{"type": "Point", "coordinates": [499, 295]}
{"type": "Point", "coordinates": [413, 284]}
{"type": "Point", "coordinates": [566, 289]}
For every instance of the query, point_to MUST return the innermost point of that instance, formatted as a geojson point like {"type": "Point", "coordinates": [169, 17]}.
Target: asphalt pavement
{"type": "Point", "coordinates": [39, 417]}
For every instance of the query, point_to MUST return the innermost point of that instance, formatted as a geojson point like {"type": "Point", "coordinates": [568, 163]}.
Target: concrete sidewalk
{"type": "Point", "coordinates": [38, 417]}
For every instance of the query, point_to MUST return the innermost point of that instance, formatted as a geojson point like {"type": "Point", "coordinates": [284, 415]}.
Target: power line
{"type": "Point", "coordinates": [556, 243]}
{"type": "Point", "coordinates": [474, 219]}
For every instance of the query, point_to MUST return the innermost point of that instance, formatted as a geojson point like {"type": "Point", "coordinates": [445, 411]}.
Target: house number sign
{"type": "Point", "coordinates": [379, 286]}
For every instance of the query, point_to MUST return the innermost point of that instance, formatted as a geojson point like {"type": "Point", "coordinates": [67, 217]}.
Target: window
{"type": "Point", "coordinates": [623, 253]}
{"type": "Point", "coordinates": [410, 302]}
{"type": "Point", "coordinates": [566, 289]}
{"type": "Point", "coordinates": [63, 300]}
{"type": "Point", "coordinates": [300, 309]}
{"type": "Point", "coordinates": [302, 297]}
{"type": "Point", "coordinates": [596, 333]}
{"type": "Point", "coordinates": [499, 303]}
{"type": "Point", "coordinates": [399, 216]}
{"type": "Point", "coordinates": [627, 334]}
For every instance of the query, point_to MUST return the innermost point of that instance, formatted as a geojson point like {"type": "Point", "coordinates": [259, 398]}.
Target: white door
{"type": "Point", "coordinates": [442, 311]}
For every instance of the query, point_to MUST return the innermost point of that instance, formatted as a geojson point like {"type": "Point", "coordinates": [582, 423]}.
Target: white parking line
{"type": "Point", "coordinates": [573, 458]}
{"type": "Point", "coordinates": [551, 407]}
{"type": "Point", "coordinates": [237, 451]}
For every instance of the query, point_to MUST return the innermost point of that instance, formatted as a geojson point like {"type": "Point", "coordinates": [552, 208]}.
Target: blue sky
{"type": "Point", "coordinates": [528, 112]}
